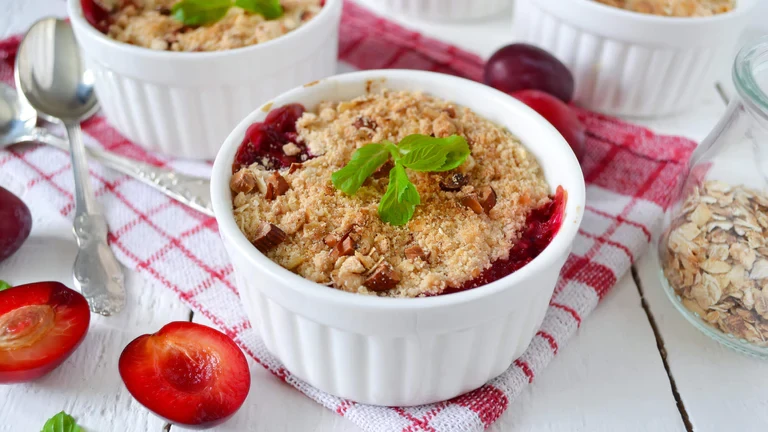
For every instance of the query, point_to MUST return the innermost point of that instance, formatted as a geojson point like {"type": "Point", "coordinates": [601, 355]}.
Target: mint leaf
{"type": "Point", "coordinates": [425, 153]}
{"type": "Point", "coordinates": [4, 285]}
{"type": "Point", "coordinates": [200, 12]}
{"type": "Point", "coordinates": [61, 422]}
{"type": "Point", "coordinates": [269, 9]}
{"type": "Point", "coordinates": [364, 162]}
{"type": "Point", "coordinates": [399, 202]}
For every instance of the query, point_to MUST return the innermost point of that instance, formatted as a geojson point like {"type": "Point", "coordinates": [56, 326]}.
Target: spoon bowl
{"type": "Point", "coordinates": [52, 76]}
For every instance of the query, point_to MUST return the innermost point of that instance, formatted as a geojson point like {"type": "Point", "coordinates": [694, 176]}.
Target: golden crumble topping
{"type": "Point", "coordinates": [315, 230]}
{"type": "Point", "coordinates": [148, 23]}
{"type": "Point", "coordinates": [674, 8]}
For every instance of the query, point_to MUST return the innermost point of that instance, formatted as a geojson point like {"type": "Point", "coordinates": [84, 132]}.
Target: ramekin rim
{"type": "Point", "coordinates": [661, 19]}
{"type": "Point", "coordinates": [560, 245]}
{"type": "Point", "coordinates": [74, 10]}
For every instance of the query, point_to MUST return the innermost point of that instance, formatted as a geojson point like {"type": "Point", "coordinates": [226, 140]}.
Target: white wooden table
{"type": "Point", "coordinates": [635, 365]}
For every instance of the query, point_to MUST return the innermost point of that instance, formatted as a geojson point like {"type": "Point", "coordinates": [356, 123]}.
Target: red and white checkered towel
{"type": "Point", "coordinates": [628, 170]}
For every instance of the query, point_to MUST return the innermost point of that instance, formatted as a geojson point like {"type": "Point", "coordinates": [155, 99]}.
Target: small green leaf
{"type": "Point", "coordinates": [425, 153]}
{"type": "Point", "coordinates": [269, 9]}
{"type": "Point", "coordinates": [399, 202]}
{"type": "Point", "coordinates": [61, 422]}
{"type": "Point", "coordinates": [200, 12]}
{"type": "Point", "coordinates": [364, 162]}
{"type": "Point", "coordinates": [4, 285]}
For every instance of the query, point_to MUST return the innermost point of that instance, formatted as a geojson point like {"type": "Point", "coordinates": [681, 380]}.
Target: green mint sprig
{"type": "Point", "coordinates": [416, 152]}
{"type": "Point", "coordinates": [201, 12]}
{"type": "Point", "coordinates": [4, 285]}
{"type": "Point", "coordinates": [61, 422]}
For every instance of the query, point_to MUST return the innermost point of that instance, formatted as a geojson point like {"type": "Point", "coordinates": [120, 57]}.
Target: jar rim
{"type": "Point", "coordinates": [749, 57]}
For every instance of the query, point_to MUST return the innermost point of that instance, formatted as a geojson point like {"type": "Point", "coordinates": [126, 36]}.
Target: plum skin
{"type": "Point", "coordinates": [15, 223]}
{"type": "Point", "coordinates": [526, 67]}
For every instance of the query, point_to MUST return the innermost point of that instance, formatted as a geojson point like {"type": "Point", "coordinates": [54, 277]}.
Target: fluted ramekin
{"type": "Point", "coordinates": [184, 104]}
{"type": "Point", "coordinates": [388, 351]}
{"type": "Point", "coordinates": [633, 64]}
{"type": "Point", "coordinates": [441, 10]}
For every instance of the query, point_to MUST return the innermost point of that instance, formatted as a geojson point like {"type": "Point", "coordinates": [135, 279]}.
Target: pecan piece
{"type": "Point", "coordinates": [295, 166]}
{"type": "Point", "coordinates": [330, 240]}
{"type": "Point", "coordinates": [242, 181]}
{"type": "Point", "coordinates": [343, 246]}
{"type": "Point", "coordinates": [454, 182]}
{"type": "Point", "coordinates": [487, 198]}
{"type": "Point", "coordinates": [416, 251]}
{"type": "Point", "coordinates": [269, 237]}
{"type": "Point", "coordinates": [473, 203]}
{"type": "Point", "coordinates": [383, 278]}
{"type": "Point", "coordinates": [365, 122]}
{"type": "Point", "coordinates": [276, 186]}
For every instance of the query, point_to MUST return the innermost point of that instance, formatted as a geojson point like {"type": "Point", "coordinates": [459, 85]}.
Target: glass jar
{"type": "Point", "coordinates": [713, 251]}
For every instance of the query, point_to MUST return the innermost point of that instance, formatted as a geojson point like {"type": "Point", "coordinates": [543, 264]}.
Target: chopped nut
{"type": "Point", "coordinates": [242, 181]}
{"type": "Point", "coordinates": [330, 240]}
{"type": "Point", "coordinates": [473, 203]}
{"type": "Point", "coordinates": [291, 149]}
{"type": "Point", "coordinates": [276, 186]}
{"type": "Point", "coordinates": [269, 237]}
{"type": "Point", "coordinates": [344, 246]}
{"type": "Point", "coordinates": [383, 278]}
{"type": "Point", "coordinates": [415, 252]}
{"type": "Point", "coordinates": [295, 167]}
{"type": "Point", "coordinates": [454, 182]}
{"type": "Point", "coordinates": [487, 198]}
{"type": "Point", "coordinates": [365, 122]}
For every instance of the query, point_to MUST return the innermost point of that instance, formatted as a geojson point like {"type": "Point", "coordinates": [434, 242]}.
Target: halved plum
{"type": "Point", "coordinates": [41, 324]}
{"type": "Point", "coordinates": [187, 373]}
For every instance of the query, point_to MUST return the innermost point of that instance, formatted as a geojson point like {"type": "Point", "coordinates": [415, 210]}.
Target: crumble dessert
{"type": "Point", "coordinates": [674, 8]}
{"type": "Point", "coordinates": [150, 24]}
{"type": "Point", "coordinates": [475, 224]}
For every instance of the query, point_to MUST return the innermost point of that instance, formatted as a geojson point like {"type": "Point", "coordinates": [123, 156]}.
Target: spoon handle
{"type": "Point", "coordinates": [194, 192]}
{"type": "Point", "coordinates": [97, 274]}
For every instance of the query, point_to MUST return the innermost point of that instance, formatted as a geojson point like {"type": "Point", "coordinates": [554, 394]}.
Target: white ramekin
{"type": "Point", "coordinates": [386, 351]}
{"type": "Point", "coordinates": [441, 10]}
{"type": "Point", "coordinates": [633, 64]}
{"type": "Point", "coordinates": [184, 104]}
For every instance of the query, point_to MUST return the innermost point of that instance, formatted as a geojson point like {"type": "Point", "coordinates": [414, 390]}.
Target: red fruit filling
{"type": "Point", "coordinates": [187, 373]}
{"type": "Point", "coordinates": [96, 14]}
{"type": "Point", "coordinates": [15, 223]}
{"type": "Point", "coordinates": [560, 115]}
{"type": "Point", "coordinates": [541, 227]}
{"type": "Point", "coordinates": [264, 141]}
{"type": "Point", "coordinates": [41, 324]}
{"type": "Point", "coordinates": [521, 67]}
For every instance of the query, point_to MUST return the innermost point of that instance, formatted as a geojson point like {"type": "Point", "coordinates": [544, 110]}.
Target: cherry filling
{"type": "Point", "coordinates": [264, 142]}
{"type": "Point", "coordinates": [96, 14]}
{"type": "Point", "coordinates": [541, 226]}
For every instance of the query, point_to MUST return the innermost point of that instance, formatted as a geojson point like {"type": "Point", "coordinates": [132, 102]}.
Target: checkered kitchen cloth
{"type": "Point", "coordinates": [628, 170]}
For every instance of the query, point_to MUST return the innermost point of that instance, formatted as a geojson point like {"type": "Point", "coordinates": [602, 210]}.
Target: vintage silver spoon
{"type": "Point", "coordinates": [51, 76]}
{"type": "Point", "coordinates": [17, 125]}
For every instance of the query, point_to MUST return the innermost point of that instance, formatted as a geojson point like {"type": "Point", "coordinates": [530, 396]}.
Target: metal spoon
{"type": "Point", "coordinates": [51, 76]}
{"type": "Point", "coordinates": [17, 125]}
